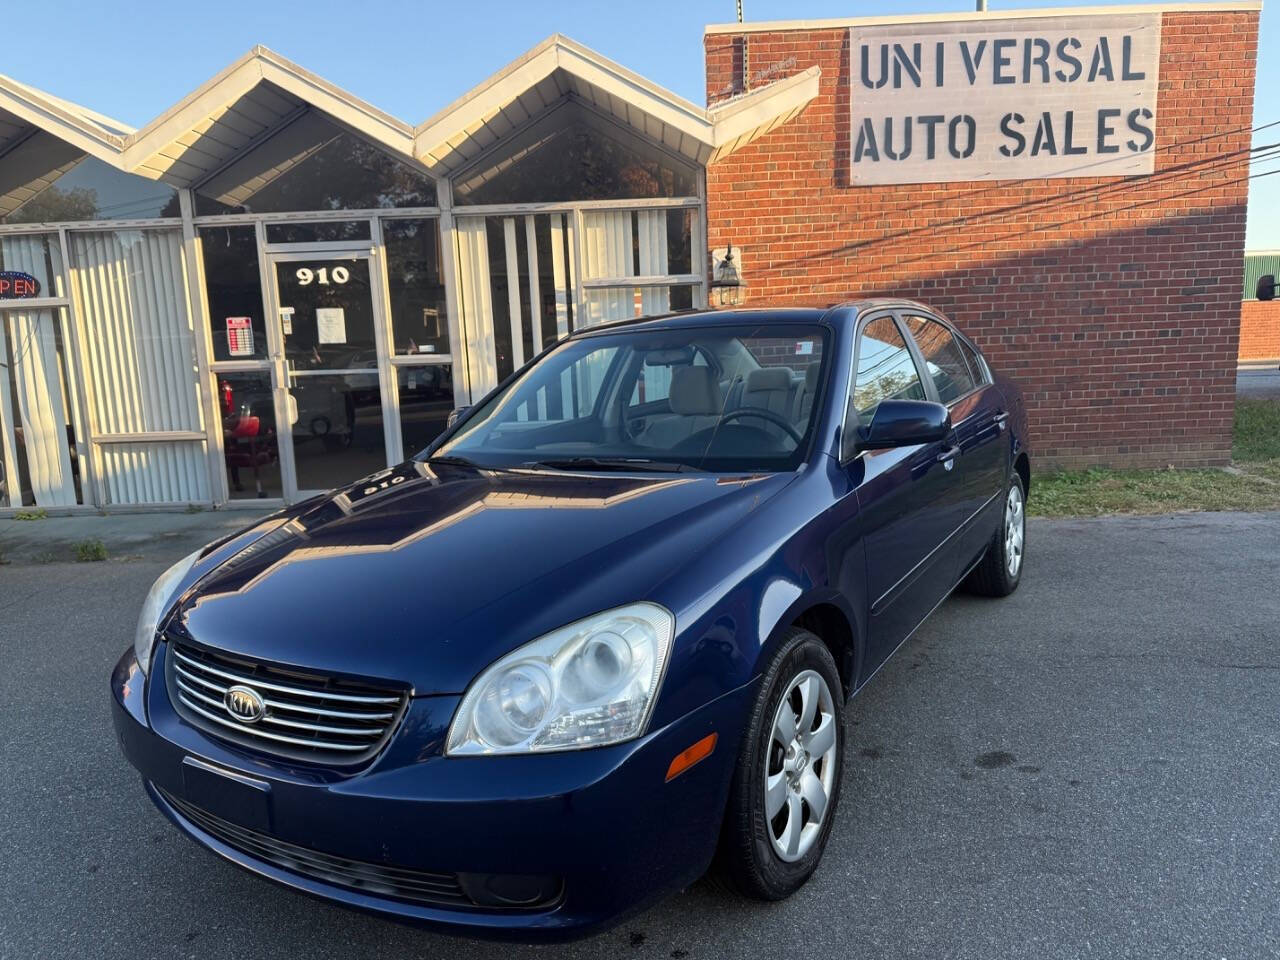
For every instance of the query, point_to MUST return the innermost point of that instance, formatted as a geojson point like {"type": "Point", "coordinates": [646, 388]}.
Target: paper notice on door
{"type": "Point", "coordinates": [286, 320]}
{"type": "Point", "coordinates": [239, 337]}
{"type": "Point", "coordinates": [331, 325]}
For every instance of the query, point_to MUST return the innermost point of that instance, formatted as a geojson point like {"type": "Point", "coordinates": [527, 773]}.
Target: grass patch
{"type": "Point", "coordinates": [90, 551]}
{"type": "Point", "coordinates": [1256, 434]}
{"type": "Point", "coordinates": [1255, 485]}
{"type": "Point", "coordinates": [39, 514]}
{"type": "Point", "coordinates": [1095, 492]}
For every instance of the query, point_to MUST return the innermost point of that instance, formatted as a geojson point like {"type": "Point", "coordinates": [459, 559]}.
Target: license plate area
{"type": "Point", "coordinates": [226, 794]}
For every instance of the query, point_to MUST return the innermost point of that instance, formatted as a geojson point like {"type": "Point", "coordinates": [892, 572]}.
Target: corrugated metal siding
{"type": "Point", "coordinates": [1259, 265]}
{"type": "Point", "coordinates": [141, 358]}
{"type": "Point", "coordinates": [166, 472]}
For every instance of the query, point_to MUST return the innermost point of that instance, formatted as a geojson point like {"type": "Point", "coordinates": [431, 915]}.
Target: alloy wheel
{"type": "Point", "coordinates": [800, 767]}
{"type": "Point", "coordinates": [1015, 523]}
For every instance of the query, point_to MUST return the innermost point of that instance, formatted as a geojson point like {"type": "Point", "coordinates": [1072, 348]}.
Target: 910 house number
{"type": "Point", "coordinates": [324, 275]}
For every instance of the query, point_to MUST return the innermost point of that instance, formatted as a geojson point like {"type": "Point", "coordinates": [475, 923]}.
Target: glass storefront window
{"type": "Point", "coordinates": [249, 441]}
{"type": "Point", "coordinates": [39, 255]}
{"type": "Point", "coordinates": [322, 232]}
{"type": "Point", "coordinates": [426, 399]}
{"type": "Point", "coordinates": [313, 164]}
{"type": "Point", "coordinates": [89, 189]}
{"type": "Point", "coordinates": [40, 462]}
{"type": "Point", "coordinates": [330, 320]}
{"type": "Point", "coordinates": [234, 288]}
{"type": "Point", "coordinates": [574, 155]}
{"type": "Point", "coordinates": [419, 315]}
{"type": "Point", "coordinates": [619, 303]}
{"type": "Point", "coordinates": [338, 435]}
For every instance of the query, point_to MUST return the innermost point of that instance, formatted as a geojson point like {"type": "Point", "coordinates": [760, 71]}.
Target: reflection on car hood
{"type": "Point", "coordinates": [427, 573]}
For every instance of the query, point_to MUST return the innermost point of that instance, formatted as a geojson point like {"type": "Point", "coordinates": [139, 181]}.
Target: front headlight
{"type": "Point", "coordinates": [154, 607]}
{"type": "Point", "coordinates": [589, 684]}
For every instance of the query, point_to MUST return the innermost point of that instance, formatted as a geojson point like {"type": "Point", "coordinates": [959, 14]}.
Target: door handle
{"type": "Point", "coordinates": [1001, 421]}
{"type": "Point", "coordinates": [949, 454]}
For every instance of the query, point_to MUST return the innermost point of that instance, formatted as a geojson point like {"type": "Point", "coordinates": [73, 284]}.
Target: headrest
{"type": "Point", "coordinates": [811, 376]}
{"type": "Point", "coordinates": [695, 392]}
{"type": "Point", "coordinates": [768, 378]}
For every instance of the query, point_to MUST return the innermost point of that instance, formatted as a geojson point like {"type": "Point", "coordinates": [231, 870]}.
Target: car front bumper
{"type": "Point", "coordinates": [603, 824]}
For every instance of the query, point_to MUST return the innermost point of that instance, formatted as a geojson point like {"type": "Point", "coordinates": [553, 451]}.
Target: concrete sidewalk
{"type": "Point", "coordinates": [1258, 379]}
{"type": "Point", "coordinates": [127, 536]}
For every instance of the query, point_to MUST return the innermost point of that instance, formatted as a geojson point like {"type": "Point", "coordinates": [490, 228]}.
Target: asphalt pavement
{"type": "Point", "coordinates": [1087, 769]}
{"type": "Point", "coordinates": [1258, 380]}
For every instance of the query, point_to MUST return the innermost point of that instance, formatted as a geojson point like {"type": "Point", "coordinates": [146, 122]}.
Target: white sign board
{"type": "Point", "coordinates": [331, 325]}
{"type": "Point", "coordinates": [1004, 99]}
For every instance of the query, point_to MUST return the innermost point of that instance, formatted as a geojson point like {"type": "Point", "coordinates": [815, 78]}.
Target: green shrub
{"type": "Point", "coordinates": [90, 551]}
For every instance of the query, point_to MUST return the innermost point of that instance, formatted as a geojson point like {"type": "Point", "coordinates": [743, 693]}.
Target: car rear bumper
{"type": "Point", "coordinates": [595, 834]}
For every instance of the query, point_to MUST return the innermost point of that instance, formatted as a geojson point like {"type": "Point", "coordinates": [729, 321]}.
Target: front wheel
{"type": "Point", "coordinates": [1000, 569]}
{"type": "Point", "coordinates": [787, 782]}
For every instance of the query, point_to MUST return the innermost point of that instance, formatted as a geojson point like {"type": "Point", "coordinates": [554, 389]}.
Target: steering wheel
{"type": "Point", "coordinates": [759, 412]}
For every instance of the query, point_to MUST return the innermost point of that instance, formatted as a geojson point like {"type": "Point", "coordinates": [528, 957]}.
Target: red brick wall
{"type": "Point", "coordinates": [1114, 302]}
{"type": "Point", "coordinates": [1260, 330]}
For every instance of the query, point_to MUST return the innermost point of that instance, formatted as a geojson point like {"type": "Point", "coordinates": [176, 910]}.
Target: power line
{"type": "Point", "coordinates": [1092, 193]}
{"type": "Point", "coordinates": [1093, 165]}
{"type": "Point", "coordinates": [986, 241]}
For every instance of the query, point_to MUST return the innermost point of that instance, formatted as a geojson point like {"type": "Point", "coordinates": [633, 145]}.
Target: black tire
{"type": "Point", "coordinates": [746, 859]}
{"type": "Point", "coordinates": [992, 576]}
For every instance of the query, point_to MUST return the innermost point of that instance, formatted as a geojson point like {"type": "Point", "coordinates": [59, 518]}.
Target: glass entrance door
{"type": "Point", "coordinates": [329, 374]}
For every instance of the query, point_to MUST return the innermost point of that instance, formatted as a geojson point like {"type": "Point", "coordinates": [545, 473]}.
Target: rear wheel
{"type": "Point", "coordinates": [787, 782]}
{"type": "Point", "coordinates": [1000, 569]}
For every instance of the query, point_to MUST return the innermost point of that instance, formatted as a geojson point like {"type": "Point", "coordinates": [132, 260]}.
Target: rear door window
{"type": "Point", "coordinates": [943, 357]}
{"type": "Point", "coordinates": [975, 362]}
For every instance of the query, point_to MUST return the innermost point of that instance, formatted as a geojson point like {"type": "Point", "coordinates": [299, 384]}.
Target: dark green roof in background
{"type": "Point", "coordinates": [1259, 265]}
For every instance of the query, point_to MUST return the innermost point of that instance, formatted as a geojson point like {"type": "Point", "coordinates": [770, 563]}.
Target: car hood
{"type": "Point", "coordinates": [426, 574]}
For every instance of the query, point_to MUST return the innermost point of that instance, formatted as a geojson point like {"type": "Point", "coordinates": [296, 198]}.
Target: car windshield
{"type": "Point", "coordinates": [713, 398]}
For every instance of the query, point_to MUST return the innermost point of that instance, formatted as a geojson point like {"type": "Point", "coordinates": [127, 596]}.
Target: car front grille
{"type": "Point", "coordinates": [375, 879]}
{"type": "Point", "coordinates": [304, 716]}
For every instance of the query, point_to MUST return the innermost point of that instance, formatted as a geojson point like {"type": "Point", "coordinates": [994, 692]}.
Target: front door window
{"type": "Point", "coordinates": [333, 391]}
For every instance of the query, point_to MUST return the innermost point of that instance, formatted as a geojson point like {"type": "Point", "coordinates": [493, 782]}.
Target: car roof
{"type": "Point", "coordinates": [831, 314]}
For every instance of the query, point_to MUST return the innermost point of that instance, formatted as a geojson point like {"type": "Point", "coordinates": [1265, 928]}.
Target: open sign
{"type": "Point", "coordinates": [18, 286]}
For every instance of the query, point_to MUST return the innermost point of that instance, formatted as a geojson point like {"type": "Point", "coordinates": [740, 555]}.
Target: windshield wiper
{"type": "Point", "coordinates": [453, 460]}
{"type": "Point", "coordinates": [637, 464]}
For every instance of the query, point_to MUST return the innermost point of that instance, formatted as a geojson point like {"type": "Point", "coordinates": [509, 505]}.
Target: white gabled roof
{"type": "Point", "coordinates": [560, 67]}
{"type": "Point", "coordinates": [23, 107]}
{"type": "Point", "coordinates": [243, 104]}
{"type": "Point", "coordinates": [262, 93]}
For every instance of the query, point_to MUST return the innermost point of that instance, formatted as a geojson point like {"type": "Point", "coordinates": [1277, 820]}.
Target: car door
{"type": "Point", "coordinates": [905, 496]}
{"type": "Point", "coordinates": [979, 417]}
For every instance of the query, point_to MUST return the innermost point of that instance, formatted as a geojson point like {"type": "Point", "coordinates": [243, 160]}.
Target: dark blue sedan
{"type": "Point", "coordinates": [597, 638]}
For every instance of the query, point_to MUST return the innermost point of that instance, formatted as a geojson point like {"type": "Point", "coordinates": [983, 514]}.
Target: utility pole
{"type": "Point", "coordinates": [982, 6]}
{"type": "Point", "coordinates": [746, 82]}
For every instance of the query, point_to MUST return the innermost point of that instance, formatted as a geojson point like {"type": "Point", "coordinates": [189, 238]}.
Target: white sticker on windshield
{"type": "Point", "coordinates": [804, 348]}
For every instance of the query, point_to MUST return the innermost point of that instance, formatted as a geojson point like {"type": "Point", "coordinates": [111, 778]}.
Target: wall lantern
{"type": "Point", "coordinates": [727, 286]}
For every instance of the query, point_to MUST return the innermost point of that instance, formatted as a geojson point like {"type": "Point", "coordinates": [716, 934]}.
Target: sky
{"type": "Point", "coordinates": [134, 59]}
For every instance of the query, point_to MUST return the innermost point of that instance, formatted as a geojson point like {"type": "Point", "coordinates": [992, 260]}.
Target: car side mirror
{"type": "Point", "coordinates": [1267, 287]}
{"type": "Point", "coordinates": [900, 423]}
{"type": "Point", "coordinates": [454, 415]}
